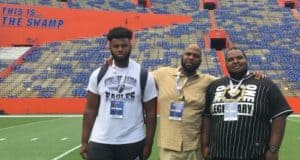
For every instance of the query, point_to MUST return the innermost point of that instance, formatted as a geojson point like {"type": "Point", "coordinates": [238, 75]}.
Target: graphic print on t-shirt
{"type": "Point", "coordinates": [245, 98]}
{"type": "Point", "coordinates": [120, 87]}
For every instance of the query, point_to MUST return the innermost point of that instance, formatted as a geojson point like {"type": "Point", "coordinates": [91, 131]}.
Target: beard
{"type": "Point", "coordinates": [121, 59]}
{"type": "Point", "coordinates": [189, 68]}
{"type": "Point", "coordinates": [240, 74]}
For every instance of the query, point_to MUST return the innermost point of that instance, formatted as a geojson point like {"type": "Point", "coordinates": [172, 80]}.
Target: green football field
{"type": "Point", "coordinates": [58, 138]}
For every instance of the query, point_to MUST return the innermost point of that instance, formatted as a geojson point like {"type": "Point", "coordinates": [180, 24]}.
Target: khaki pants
{"type": "Point", "coordinates": [166, 154]}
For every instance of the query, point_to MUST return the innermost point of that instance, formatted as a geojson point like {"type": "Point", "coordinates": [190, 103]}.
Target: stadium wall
{"type": "Point", "coordinates": [35, 25]}
{"type": "Point", "coordinates": [42, 105]}
{"type": "Point", "coordinates": [68, 105]}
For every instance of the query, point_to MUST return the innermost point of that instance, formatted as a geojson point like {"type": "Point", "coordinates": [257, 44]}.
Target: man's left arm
{"type": "Point", "coordinates": [279, 110]}
{"type": "Point", "coordinates": [276, 136]}
{"type": "Point", "coordinates": [150, 121]}
{"type": "Point", "coordinates": [149, 106]}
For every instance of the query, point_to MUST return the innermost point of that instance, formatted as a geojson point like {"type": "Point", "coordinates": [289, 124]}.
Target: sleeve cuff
{"type": "Point", "coordinates": [287, 112]}
{"type": "Point", "coordinates": [206, 115]}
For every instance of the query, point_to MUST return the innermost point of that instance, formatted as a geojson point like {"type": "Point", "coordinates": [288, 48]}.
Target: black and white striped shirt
{"type": "Point", "coordinates": [259, 101]}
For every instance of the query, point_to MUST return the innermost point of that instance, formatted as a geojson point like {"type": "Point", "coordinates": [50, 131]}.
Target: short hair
{"type": "Point", "coordinates": [194, 47]}
{"type": "Point", "coordinates": [234, 48]}
{"type": "Point", "coordinates": [119, 32]}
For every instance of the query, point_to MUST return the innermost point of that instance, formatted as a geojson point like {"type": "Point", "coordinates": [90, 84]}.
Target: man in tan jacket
{"type": "Point", "coordinates": [181, 102]}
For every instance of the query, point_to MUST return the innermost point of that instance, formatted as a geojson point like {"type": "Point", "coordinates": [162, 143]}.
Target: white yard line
{"type": "Point", "coordinates": [29, 124]}
{"type": "Point", "coordinates": [293, 120]}
{"type": "Point", "coordinates": [63, 139]}
{"type": "Point", "coordinates": [294, 115]}
{"type": "Point", "coordinates": [290, 118]}
{"type": "Point", "coordinates": [2, 139]}
{"type": "Point", "coordinates": [34, 139]}
{"type": "Point", "coordinates": [66, 153]}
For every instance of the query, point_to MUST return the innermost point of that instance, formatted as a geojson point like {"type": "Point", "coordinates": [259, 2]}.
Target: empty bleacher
{"type": "Point", "coordinates": [269, 34]}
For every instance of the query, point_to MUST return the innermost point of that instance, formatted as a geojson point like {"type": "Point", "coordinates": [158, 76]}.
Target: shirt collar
{"type": "Point", "coordinates": [247, 76]}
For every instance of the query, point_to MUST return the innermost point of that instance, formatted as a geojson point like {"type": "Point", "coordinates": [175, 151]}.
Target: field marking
{"type": "Point", "coordinates": [66, 153]}
{"type": "Point", "coordinates": [40, 115]}
{"type": "Point", "coordinates": [34, 139]}
{"type": "Point", "coordinates": [290, 118]}
{"type": "Point", "coordinates": [65, 138]}
{"type": "Point", "coordinates": [28, 124]}
{"type": "Point", "coordinates": [294, 115]}
{"type": "Point", "coordinates": [2, 139]}
{"type": "Point", "coordinates": [70, 115]}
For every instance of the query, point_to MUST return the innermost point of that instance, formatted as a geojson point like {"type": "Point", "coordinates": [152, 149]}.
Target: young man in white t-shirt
{"type": "Point", "coordinates": [113, 122]}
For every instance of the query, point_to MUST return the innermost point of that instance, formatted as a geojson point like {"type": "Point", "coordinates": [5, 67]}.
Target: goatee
{"type": "Point", "coordinates": [189, 69]}
{"type": "Point", "coordinates": [121, 59]}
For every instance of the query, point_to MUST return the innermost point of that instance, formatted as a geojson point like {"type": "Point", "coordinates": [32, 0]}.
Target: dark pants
{"type": "Point", "coordinates": [99, 151]}
{"type": "Point", "coordinates": [259, 158]}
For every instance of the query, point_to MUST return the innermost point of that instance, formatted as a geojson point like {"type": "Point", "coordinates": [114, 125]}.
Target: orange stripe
{"type": "Point", "coordinates": [70, 105]}
{"type": "Point", "coordinates": [296, 14]}
{"type": "Point", "coordinates": [218, 4]}
{"type": "Point", "coordinates": [206, 42]}
{"type": "Point", "coordinates": [64, 5]}
{"type": "Point", "coordinates": [77, 23]}
{"type": "Point", "coordinates": [229, 42]}
{"type": "Point", "coordinates": [19, 61]}
{"type": "Point", "coordinates": [294, 103]}
{"type": "Point", "coordinates": [221, 58]}
{"type": "Point", "coordinates": [212, 19]}
{"type": "Point", "coordinates": [201, 4]}
{"type": "Point", "coordinates": [280, 3]}
{"type": "Point", "coordinates": [42, 105]}
{"type": "Point", "coordinates": [135, 2]}
{"type": "Point", "coordinates": [148, 3]}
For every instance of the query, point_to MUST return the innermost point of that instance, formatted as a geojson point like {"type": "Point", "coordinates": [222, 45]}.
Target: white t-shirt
{"type": "Point", "coordinates": [129, 128]}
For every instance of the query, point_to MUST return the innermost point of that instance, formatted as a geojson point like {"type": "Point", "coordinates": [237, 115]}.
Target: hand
{"type": "Point", "coordinates": [258, 74]}
{"type": "Point", "coordinates": [83, 151]}
{"type": "Point", "coordinates": [147, 151]}
{"type": "Point", "coordinates": [109, 60]}
{"type": "Point", "coordinates": [205, 152]}
{"type": "Point", "coordinates": [272, 156]}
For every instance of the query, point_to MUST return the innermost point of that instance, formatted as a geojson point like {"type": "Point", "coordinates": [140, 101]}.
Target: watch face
{"type": "Point", "coordinates": [273, 149]}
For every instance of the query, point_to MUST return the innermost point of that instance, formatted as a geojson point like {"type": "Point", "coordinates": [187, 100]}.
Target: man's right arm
{"type": "Point", "coordinates": [205, 132]}
{"type": "Point", "coordinates": [155, 75]}
{"type": "Point", "coordinates": [206, 125]}
{"type": "Point", "coordinates": [89, 116]}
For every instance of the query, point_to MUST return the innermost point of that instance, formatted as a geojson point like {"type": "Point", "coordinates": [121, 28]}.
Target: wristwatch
{"type": "Point", "coordinates": [273, 149]}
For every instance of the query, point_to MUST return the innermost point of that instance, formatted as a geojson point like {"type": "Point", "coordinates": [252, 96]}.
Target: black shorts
{"type": "Point", "coordinates": [259, 158]}
{"type": "Point", "coordinates": [99, 151]}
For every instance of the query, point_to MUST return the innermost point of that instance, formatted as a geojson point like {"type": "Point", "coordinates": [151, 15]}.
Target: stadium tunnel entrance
{"type": "Point", "coordinates": [218, 39]}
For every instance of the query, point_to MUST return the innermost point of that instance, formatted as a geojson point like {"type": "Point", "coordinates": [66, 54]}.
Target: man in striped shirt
{"type": "Point", "coordinates": [244, 118]}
